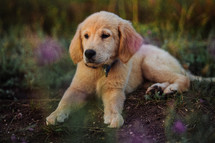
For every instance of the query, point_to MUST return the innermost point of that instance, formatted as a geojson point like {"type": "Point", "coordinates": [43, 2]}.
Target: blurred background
{"type": "Point", "coordinates": [35, 37]}
{"type": "Point", "coordinates": [60, 17]}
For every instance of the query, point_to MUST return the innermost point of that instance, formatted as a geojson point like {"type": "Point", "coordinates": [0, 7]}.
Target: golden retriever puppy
{"type": "Point", "coordinates": [113, 61]}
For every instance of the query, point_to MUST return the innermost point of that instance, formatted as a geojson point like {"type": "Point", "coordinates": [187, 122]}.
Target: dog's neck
{"type": "Point", "coordinates": [106, 67]}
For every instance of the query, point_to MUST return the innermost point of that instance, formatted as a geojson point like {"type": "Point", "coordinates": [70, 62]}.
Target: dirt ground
{"type": "Point", "coordinates": [24, 121]}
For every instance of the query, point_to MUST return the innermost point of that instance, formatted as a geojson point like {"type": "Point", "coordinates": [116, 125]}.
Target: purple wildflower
{"type": "Point", "coordinates": [134, 133]}
{"type": "Point", "coordinates": [13, 138]}
{"type": "Point", "coordinates": [201, 101]}
{"type": "Point", "coordinates": [31, 129]}
{"type": "Point", "coordinates": [48, 52]}
{"type": "Point", "coordinates": [23, 141]}
{"type": "Point", "coordinates": [179, 127]}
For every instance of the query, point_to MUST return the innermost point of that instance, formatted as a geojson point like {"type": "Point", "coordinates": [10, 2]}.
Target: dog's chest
{"type": "Point", "coordinates": [100, 86]}
{"type": "Point", "coordinates": [113, 81]}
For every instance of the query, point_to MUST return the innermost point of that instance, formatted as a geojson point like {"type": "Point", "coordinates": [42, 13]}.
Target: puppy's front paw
{"type": "Point", "coordinates": [57, 117]}
{"type": "Point", "coordinates": [116, 121]}
{"type": "Point", "coordinates": [107, 118]}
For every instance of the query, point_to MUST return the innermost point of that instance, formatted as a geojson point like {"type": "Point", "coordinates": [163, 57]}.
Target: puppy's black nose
{"type": "Point", "coordinates": [90, 53]}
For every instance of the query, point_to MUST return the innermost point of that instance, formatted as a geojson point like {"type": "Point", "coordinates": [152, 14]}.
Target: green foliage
{"type": "Point", "coordinates": [169, 120]}
{"type": "Point", "coordinates": [13, 66]}
{"type": "Point", "coordinates": [61, 16]}
{"type": "Point", "coordinates": [194, 113]}
{"type": "Point", "coordinates": [20, 71]}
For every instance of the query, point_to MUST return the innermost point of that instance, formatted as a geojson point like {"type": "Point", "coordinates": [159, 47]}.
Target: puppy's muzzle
{"type": "Point", "coordinates": [90, 54]}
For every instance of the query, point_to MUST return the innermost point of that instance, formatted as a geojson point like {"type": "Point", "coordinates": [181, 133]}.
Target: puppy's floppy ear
{"type": "Point", "coordinates": [130, 41]}
{"type": "Point", "coordinates": [75, 48]}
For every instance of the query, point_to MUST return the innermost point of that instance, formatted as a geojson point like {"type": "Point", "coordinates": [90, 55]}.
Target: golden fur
{"type": "Point", "coordinates": [136, 63]}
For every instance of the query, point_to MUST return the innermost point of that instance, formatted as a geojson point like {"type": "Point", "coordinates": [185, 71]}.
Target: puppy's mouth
{"type": "Point", "coordinates": [94, 64]}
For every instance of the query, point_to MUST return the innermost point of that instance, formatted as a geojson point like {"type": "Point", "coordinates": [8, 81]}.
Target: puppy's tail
{"type": "Point", "coordinates": [199, 78]}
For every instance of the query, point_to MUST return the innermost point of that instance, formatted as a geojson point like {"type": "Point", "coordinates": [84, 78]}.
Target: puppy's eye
{"type": "Point", "coordinates": [86, 36]}
{"type": "Point", "coordinates": [104, 36]}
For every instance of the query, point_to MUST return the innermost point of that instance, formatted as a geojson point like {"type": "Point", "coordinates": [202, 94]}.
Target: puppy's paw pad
{"type": "Point", "coordinates": [117, 121]}
{"type": "Point", "coordinates": [154, 89]}
{"type": "Point", "coordinates": [157, 88]}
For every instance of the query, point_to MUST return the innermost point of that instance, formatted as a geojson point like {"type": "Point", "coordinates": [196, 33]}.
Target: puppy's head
{"type": "Point", "coordinates": [102, 38]}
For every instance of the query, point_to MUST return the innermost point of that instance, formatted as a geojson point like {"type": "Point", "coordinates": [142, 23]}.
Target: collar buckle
{"type": "Point", "coordinates": [107, 67]}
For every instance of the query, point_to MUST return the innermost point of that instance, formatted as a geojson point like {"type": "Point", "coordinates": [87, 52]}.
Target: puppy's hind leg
{"type": "Point", "coordinates": [180, 84]}
{"type": "Point", "coordinates": [166, 80]}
